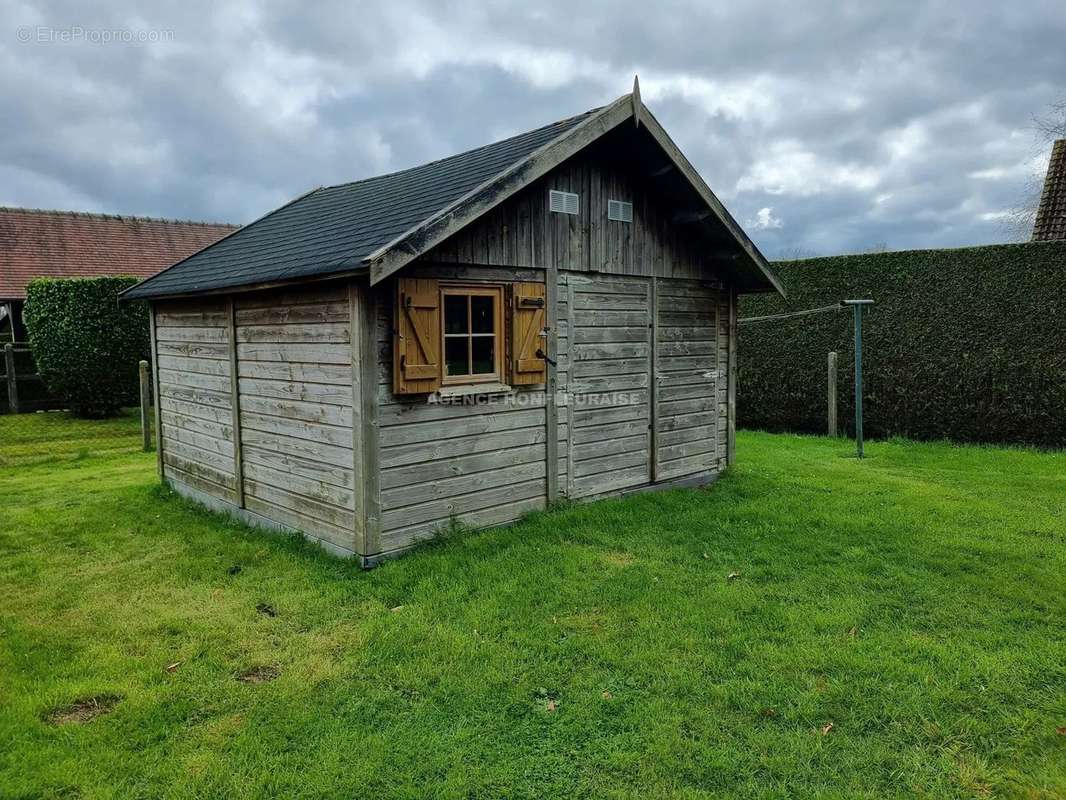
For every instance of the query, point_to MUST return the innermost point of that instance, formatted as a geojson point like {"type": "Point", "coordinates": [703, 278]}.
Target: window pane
{"type": "Point", "coordinates": [484, 355]}
{"type": "Point", "coordinates": [482, 317]}
{"type": "Point", "coordinates": [456, 356]}
{"type": "Point", "coordinates": [455, 318]}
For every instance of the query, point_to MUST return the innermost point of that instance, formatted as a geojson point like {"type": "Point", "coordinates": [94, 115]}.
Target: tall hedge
{"type": "Point", "coordinates": [85, 343]}
{"type": "Point", "coordinates": [966, 344]}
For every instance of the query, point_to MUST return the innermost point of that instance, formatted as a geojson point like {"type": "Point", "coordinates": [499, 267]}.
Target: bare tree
{"type": "Point", "coordinates": [1018, 224]}
{"type": "Point", "coordinates": [795, 253]}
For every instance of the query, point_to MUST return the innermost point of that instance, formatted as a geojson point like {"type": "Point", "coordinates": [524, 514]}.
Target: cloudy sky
{"type": "Point", "coordinates": [836, 128]}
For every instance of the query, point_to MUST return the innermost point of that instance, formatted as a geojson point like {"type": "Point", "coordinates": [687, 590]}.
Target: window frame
{"type": "Point", "coordinates": [499, 333]}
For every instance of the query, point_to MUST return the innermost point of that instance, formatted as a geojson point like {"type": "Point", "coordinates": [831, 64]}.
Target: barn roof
{"type": "Point", "coordinates": [380, 224]}
{"type": "Point", "coordinates": [66, 244]}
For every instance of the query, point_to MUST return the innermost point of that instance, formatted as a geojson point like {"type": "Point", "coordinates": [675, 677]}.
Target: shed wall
{"type": "Point", "coordinates": [195, 396]}
{"type": "Point", "coordinates": [288, 459]}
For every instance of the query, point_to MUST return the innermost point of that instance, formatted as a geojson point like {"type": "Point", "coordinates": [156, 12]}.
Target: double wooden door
{"type": "Point", "coordinates": [642, 380]}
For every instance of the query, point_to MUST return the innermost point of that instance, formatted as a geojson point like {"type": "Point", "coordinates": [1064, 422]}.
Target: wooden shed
{"type": "Point", "coordinates": [549, 316]}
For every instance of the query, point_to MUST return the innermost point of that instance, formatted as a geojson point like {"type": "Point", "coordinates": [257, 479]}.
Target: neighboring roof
{"type": "Point", "coordinates": [1050, 224]}
{"type": "Point", "coordinates": [380, 224]}
{"type": "Point", "coordinates": [66, 244]}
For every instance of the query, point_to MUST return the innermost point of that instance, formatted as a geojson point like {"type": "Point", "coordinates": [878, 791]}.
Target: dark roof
{"type": "Point", "coordinates": [36, 243]}
{"type": "Point", "coordinates": [332, 229]}
{"type": "Point", "coordinates": [1050, 224]}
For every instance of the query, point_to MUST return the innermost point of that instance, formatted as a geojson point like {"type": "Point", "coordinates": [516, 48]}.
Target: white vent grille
{"type": "Point", "coordinates": [562, 202]}
{"type": "Point", "coordinates": [618, 210]}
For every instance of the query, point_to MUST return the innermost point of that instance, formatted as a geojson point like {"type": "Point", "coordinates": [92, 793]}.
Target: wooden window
{"type": "Point", "coordinates": [472, 334]}
{"type": "Point", "coordinates": [453, 334]}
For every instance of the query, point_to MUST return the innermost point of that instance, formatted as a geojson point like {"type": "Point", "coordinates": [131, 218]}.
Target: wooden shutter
{"type": "Point", "coordinates": [416, 363]}
{"type": "Point", "coordinates": [527, 334]}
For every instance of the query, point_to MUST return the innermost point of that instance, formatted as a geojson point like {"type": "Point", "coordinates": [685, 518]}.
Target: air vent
{"type": "Point", "coordinates": [618, 210]}
{"type": "Point", "coordinates": [562, 202]}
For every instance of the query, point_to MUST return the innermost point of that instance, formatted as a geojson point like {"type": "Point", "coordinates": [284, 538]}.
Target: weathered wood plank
{"type": "Point", "coordinates": [178, 334]}
{"type": "Point", "coordinates": [292, 314]}
{"type": "Point", "coordinates": [287, 462]}
{"type": "Point", "coordinates": [206, 472]}
{"type": "Point", "coordinates": [443, 508]}
{"type": "Point", "coordinates": [303, 391]}
{"type": "Point", "coordinates": [331, 374]}
{"type": "Point", "coordinates": [460, 466]}
{"type": "Point", "coordinates": [187, 435]}
{"type": "Point", "coordinates": [496, 515]}
{"type": "Point", "coordinates": [297, 429]}
{"type": "Point", "coordinates": [205, 458]}
{"type": "Point", "coordinates": [446, 450]}
{"type": "Point", "coordinates": [206, 486]}
{"type": "Point", "coordinates": [210, 413]}
{"type": "Point", "coordinates": [321, 332]}
{"type": "Point", "coordinates": [445, 488]}
{"type": "Point", "coordinates": [305, 353]}
{"type": "Point", "coordinates": [319, 491]}
{"type": "Point", "coordinates": [296, 520]}
{"type": "Point", "coordinates": [330, 455]}
{"type": "Point", "coordinates": [472, 426]}
{"type": "Point", "coordinates": [325, 413]}
{"type": "Point", "coordinates": [199, 425]}
{"type": "Point", "coordinates": [196, 366]}
{"type": "Point", "coordinates": [214, 383]}
{"type": "Point", "coordinates": [301, 504]}
{"type": "Point", "coordinates": [193, 350]}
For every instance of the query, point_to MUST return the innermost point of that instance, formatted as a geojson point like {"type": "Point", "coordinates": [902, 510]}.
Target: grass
{"type": "Point", "coordinates": [51, 436]}
{"type": "Point", "coordinates": [894, 627]}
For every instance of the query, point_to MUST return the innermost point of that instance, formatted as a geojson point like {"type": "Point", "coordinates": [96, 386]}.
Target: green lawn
{"type": "Point", "coordinates": [893, 628]}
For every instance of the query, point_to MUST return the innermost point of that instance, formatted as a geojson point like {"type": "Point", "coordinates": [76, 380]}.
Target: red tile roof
{"type": "Point", "coordinates": [69, 244]}
{"type": "Point", "coordinates": [1050, 222]}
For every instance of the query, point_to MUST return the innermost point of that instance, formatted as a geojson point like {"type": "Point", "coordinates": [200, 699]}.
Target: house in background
{"type": "Point", "coordinates": [552, 315]}
{"type": "Point", "coordinates": [1050, 223]}
{"type": "Point", "coordinates": [69, 244]}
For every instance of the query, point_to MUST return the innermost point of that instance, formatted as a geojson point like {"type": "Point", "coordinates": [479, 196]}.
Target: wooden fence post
{"type": "Point", "coordinates": [831, 394]}
{"type": "Point", "coordinates": [12, 384]}
{"type": "Point", "coordinates": [146, 404]}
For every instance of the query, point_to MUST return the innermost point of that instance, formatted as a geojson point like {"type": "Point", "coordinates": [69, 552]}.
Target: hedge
{"type": "Point", "coordinates": [85, 343]}
{"type": "Point", "coordinates": [966, 344]}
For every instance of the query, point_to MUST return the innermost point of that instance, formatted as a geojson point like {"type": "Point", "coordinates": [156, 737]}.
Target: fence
{"type": "Point", "coordinates": [23, 388]}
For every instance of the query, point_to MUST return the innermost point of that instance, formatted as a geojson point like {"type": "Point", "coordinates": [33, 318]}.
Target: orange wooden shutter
{"type": "Point", "coordinates": [527, 334]}
{"type": "Point", "coordinates": [417, 366]}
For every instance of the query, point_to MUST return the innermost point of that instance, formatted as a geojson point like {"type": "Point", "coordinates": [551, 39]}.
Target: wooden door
{"type": "Point", "coordinates": [689, 392]}
{"type": "Point", "coordinates": [609, 333]}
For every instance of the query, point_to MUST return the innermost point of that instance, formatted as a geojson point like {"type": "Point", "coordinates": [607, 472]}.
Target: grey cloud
{"type": "Point", "coordinates": [906, 123]}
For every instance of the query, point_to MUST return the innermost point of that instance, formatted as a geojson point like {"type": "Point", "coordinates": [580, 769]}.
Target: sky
{"type": "Point", "coordinates": [825, 127]}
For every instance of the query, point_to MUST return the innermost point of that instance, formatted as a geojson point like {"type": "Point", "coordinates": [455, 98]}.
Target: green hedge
{"type": "Point", "coordinates": [966, 344]}
{"type": "Point", "coordinates": [86, 344]}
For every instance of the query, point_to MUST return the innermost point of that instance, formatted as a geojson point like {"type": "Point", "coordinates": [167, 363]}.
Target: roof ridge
{"type": "Point", "coordinates": [121, 217]}
{"type": "Point", "coordinates": [464, 152]}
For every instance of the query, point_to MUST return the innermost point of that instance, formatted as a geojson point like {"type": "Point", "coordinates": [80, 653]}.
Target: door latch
{"type": "Point", "coordinates": [541, 354]}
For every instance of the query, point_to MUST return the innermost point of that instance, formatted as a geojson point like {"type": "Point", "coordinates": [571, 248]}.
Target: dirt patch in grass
{"type": "Point", "coordinates": [81, 711]}
{"type": "Point", "coordinates": [263, 674]}
{"type": "Point", "coordinates": [617, 558]}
